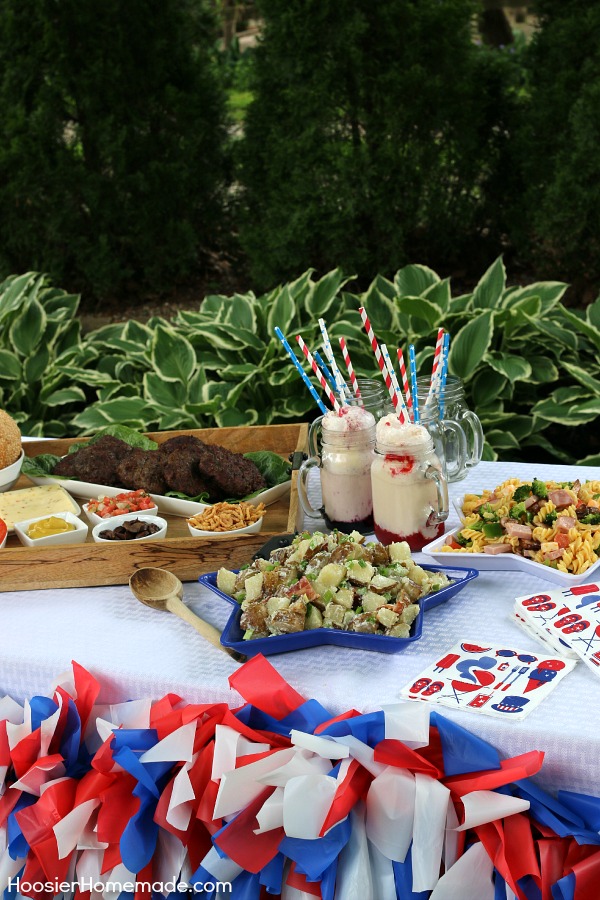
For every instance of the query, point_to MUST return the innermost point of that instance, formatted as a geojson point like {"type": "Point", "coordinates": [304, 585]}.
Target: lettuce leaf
{"type": "Point", "coordinates": [271, 466]}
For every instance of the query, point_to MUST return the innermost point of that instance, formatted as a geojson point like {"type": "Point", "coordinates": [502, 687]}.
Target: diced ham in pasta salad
{"type": "Point", "coordinates": [554, 523]}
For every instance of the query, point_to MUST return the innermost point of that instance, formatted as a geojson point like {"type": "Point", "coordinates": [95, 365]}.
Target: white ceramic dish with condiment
{"type": "Point", "coordinates": [505, 562]}
{"type": "Point", "coordinates": [222, 535]}
{"type": "Point", "coordinates": [95, 519]}
{"type": "Point", "coordinates": [34, 503]}
{"type": "Point", "coordinates": [114, 521]}
{"type": "Point", "coordinates": [10, 474]}
{"type": "Point", "coordinates": [76, 536]}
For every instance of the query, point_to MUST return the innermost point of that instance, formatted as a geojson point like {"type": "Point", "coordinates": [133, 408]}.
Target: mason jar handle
{"type": "Point", "coordinates": [305, 468]}
{"type": "Point", "coordinates": [313, 436]}
{"type": "Point", "coordinates": [456, 472]}
{"type": "Point", "coordinates": [475, 456]}
{"type": "Point", "coordinates": [441, 514]}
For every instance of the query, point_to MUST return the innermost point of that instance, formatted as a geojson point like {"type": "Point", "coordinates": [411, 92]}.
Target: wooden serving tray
{"type": "Point", "coordinates": [90, 564]}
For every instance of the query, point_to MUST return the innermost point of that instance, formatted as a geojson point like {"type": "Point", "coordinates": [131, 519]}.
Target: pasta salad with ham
{"type": "Point", "coordinates": [554, 523]}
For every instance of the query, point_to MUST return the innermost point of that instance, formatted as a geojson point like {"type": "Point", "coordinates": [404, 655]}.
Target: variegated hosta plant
{"type": "Point", "coordinates": [530, 365]}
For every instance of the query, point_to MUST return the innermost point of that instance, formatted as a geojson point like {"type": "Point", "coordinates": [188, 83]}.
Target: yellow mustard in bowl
{"type": "Point", "coordinates": [47, 527]}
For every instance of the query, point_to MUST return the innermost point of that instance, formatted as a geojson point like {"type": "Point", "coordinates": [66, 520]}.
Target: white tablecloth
{"type": "Point", "coordinates": [137, 652]}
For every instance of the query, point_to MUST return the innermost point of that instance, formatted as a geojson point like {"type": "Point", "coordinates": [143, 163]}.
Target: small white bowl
{"type": "Point", "coordinates": [112, 522]}
{"type": "Point", "coordinates": [77, 536]}
{"type": "Point", "coordinates": [222, 535]}
{"type": "Point", "coordinates": [95, 519]}
{"type": "Point", "coordinates": [10, 474]}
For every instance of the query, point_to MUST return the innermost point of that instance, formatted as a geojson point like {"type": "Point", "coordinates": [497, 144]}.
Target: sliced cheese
{"type": "Point", "coordinates": [28, 503]}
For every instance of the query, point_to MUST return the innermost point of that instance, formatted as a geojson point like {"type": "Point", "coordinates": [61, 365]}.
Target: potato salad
{"type": "Point", "coordinates": [331, 581]}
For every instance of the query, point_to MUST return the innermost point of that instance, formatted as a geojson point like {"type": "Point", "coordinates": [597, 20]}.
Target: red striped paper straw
{"type": "Point", "coordinates": [348, 363]}
{"type": "Point", "coordinates": [397, 398]}
{"type": "Point", "coordinates": [322, 380]}
{"type": "Point", "coordinates": [375, 346]}
{"type": "Point", "coordinates": [437, 355]}
{"type": "Point", "coordinates": [405, 384]}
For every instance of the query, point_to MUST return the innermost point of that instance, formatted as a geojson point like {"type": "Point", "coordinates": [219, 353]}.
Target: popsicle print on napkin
{"type": "Point", "coordinates": [567, 619]}
{"type": "Point", "coordinates": [494, 680]}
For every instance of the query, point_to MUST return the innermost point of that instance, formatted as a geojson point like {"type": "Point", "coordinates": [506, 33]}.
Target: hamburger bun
{"type": "Point", "coordinates": [10, 440]}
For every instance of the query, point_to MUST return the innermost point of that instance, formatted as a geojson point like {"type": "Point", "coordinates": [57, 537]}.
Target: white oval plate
{"type": "Point", "coordinates": [507, 562]}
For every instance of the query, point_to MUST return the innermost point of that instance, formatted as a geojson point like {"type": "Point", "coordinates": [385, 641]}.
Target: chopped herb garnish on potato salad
{"type": "Point", "coordinates": [331, 581]}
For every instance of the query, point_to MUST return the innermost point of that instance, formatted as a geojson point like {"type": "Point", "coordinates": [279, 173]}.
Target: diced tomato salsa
{"type": "Point", "coordinates": [131, 501]}
{"type": "Point", "coordinates": [3, 530]}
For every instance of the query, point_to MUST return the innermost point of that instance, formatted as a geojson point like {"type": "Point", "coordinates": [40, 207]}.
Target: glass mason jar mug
{"type": "Point", "coordinates": [456, 409]}
{"type": "Point", "coordinates": [449, 440]}
{"type": "Point", "coordinates": [410, 493]}
{"type": "Point", "coordinates": [344, 463]}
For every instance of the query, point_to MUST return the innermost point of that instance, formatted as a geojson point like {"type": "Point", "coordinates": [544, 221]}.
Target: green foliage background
{"type": "Point", "coordinates": [530, 366]}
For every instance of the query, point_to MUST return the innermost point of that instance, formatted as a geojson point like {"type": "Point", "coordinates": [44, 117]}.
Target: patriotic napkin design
{"type": "Point", "coordinates": [494, 680]}
{"type": "Point", "coordinates": [567, 620]}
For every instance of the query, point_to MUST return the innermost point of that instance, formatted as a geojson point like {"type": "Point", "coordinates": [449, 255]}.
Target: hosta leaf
{"type": "Point", "coordinates": [487, 386]}
{"type": "Point", "coordinates": [172, 355]}
{"type": "Point", "coordinates": [543, 370]}
{"type": "Point", "coordinates": [35, 367]}
{"type": "Point", "coordinates": [235, 372]}
{"type": "Point", "coordinates": [15, 288]}
{"type": "Point", "coordinates": [164, 393]}
{"type": "Point", "coordinates": [560, 336]}
{"type": "Point", "coordinates": [414, 280]}
{"type": "Point", "coordinates": [540, 442]}
{"type": "Point", "coordinates": [592, 314]}
{"type": "Point", "coordinates": [458, 305]}
{"type": "Point", "coordinates": [241, 313]}
{"type": "Point", "coordinates": [583, 377]}
{"type": "Point", "coordinates": [515, 368]}
{"type": "Point", "coordinates": [439, 294]}
{"type": "Point", "coordinates": [227, 418]}
{"type": "Point", "coordinates": [568, 414]}
{"type": "Point", "coordinates": [380, 308]}
{"type": "Point", "coordinates": [582, 327]}
{"type": "Point", "coordinates": [323, 293]}
{"type": "Point", "coordinates": [130, 411]}
{"type": "Point", "coordinates": [58, 304]}
{"type": "Point", "coordinates": [502, 440]}
{"type": "Point", "coordinates": [569, 394]}
{"type": "Point", "coordinates": [84, 376]}
{"type": "Point", "coordinates": [174, 419]}
{"type": "Point", "coordinates": [490, 288]}
{"type": "Point", "coordinates": [489, 454]}
{"type": "Point", "coordinates": [28, 328]}
{"type": "Point", "coordinates": [300, 288]}
{"type": "Point", "coordinates": [549, 293]}
{"type": "Point", "coordinates": [530, 305]}
{"type": "Point", "coordinates": [214, 307]}
{"type": "Point", "coordinates": [519, 427]}
{"type": "Point", "coordinates": [10, 367]}
{"type": "Point", "coordinates": [471, 344]}
{"type": "Point", "coordinates": [418, 308]}
{"type": "Point", "coordinates": [593, 460]}
{"type": "Point", "coordinates": [282, 311]}
{"type": "Point", "coordinates": [66, 395]}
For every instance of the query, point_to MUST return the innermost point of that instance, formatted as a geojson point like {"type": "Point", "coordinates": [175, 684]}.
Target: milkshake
{"type": "Point", "coordinates": [347, 451]}
{"type": "Point", "coordinates": [410, 494]}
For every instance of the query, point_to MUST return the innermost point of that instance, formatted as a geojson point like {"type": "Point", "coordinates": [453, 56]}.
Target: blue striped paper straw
{"type": "Point", "coordinates": [341, 385]}
{"type": "Point", "coordinates": [303, 374]}
{"type": "Point", "coordinates": [413, 383]}
{"type": "Point", "coordinates": [444, 375]}
{"type": "Point", "coordinates": [323, 366]}
{"type": "Point", "coordinates": [401, 403]}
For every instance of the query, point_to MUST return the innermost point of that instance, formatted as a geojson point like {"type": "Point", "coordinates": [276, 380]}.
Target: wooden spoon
{"type": "Point", "coordinates": [161, 589]}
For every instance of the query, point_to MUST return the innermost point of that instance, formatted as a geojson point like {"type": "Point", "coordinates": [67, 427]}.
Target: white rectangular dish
{"type": "Point", "coordinates": [172, 506]}
{"type": "Point", "coordinates": [505, 562]}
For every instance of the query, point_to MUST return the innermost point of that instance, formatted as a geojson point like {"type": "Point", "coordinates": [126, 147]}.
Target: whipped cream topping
{"type": "Point", "coordinates": [353, 418]}
{"type": "Point", "coordinates": [391, 433]}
